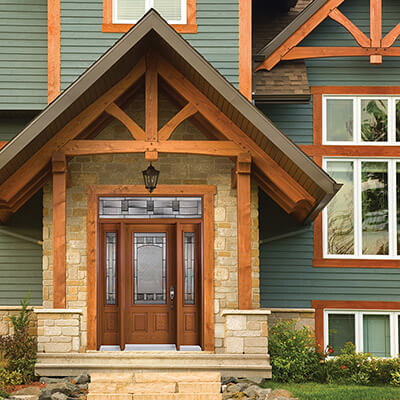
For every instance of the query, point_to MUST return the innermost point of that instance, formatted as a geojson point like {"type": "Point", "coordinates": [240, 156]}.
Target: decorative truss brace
{"type": "Point", "coordinates": [374, 46]}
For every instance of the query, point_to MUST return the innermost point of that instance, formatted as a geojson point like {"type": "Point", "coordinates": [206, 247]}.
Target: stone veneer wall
{"type": "Point", "coordinates": [303, 317]}
{"type": "Point", "coordinates": [5, 322]}
{"type": "Point", "coordinates": [175, 170]}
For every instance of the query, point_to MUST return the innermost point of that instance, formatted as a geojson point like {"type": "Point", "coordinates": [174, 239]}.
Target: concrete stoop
{"type": "Point", "coordinates": [155, 386]}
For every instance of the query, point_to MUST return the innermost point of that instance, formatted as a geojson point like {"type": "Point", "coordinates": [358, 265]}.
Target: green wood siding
{"type": "Point", "coordinates": [23, 56]}
{"type": "Point", "coordinates": [10, 126]}
{"type": "Point", "coordinates": [82, 41]}
{"type": "Point", "coordinates": [287, 278]}
{"type": "Point", "coordinates": [21, 260]}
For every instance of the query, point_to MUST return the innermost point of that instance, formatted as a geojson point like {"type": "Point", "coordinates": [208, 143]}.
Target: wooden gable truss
{"type": "Point", "coordinates": [376, 46]}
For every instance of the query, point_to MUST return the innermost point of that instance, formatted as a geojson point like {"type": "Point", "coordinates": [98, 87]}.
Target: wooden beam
{"type": "Point", "coordinates": [243, 182]}
{"type": "Point", "coordinates": [53, 49]}
{"type": "Point", "coordinates": [201, 147]}
{"type": "Point", "coordinates": [391, 37]}
{"type": "Point", "coordinates": [376, 28]}
{"type": "Point", "coordinates": [151, 97]}
{"type": "Point", "coordinates": [59, 170]}
{"type": "Point", "coordinates": [299, 35]}
{"type": "Point", "coordinates": [245, 49]}
{"type": "Point", "coordinates": [275, 173]}
{"type": "Point", "coordinates": [167, 130]}
{"type": "Point", "coordinates": [299, 53]}
{"type": "Point", "coordinates": [151, 156]}
{"type": "Point", "coordinates": [350, 151]}
{"type": "Point", "coordinates": [136, 131]}
{"type": "Point", "coordinates": [359, 36]}
{"type": "Point", "coordinates": [27, 172]}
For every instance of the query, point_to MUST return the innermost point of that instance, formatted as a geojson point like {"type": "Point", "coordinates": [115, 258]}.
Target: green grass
{"type": "Point", "coordinates": [317, 391]}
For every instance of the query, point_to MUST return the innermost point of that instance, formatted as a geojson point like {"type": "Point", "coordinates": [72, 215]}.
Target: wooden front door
{"type": "Point", "coordinates": [150, 283]}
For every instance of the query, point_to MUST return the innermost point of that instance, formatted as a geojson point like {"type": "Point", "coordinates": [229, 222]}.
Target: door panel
{"type": "Point", "coordinates": [151, 271]}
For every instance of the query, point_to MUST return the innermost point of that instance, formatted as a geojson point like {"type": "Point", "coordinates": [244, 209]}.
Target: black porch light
{"type": "Point", "coordinates": [150, 176]}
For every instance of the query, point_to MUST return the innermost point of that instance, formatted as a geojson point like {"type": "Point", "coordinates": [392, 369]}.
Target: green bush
{"type": "Point", "coordinates": [294, 355]}
{"type": "Point", "coordinates": [19, 350]}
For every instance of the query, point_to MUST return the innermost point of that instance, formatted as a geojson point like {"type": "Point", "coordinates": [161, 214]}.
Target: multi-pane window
{"type": "Point", "coordinates": [372, 332]}
{"type": "Point", "coordinates": [361, 120]}
{"type": "Point", "coordinates": [362, 219]}
{"type": "Point", "coordinates": [130, 11]}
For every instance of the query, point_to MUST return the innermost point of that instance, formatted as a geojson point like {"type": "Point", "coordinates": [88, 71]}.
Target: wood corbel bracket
{"type": "Point", "coordinates": [58, 163]}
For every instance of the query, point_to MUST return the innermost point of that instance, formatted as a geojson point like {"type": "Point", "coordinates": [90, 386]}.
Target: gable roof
{"type": "Point", "coordinates": [150, 31]}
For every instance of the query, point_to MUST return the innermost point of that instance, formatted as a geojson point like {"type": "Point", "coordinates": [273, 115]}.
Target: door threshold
{"type": "Point", "coordinates": [149, 347]}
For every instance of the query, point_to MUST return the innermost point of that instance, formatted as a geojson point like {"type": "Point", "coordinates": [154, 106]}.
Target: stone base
{"type": "Point", "coordinates": [254, 366]}
{"type": "Point", "coordinates": [302, 316]}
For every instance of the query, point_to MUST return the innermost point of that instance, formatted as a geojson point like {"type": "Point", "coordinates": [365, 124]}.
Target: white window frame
{"type": "Point", "coordinates": [148, 5]}
{"type": "Point", "coordinates": [357, 120]}
{"type": "Point", "coordinates": [392, 208]}
{"type": "Point", "coordinates": [358, 326]}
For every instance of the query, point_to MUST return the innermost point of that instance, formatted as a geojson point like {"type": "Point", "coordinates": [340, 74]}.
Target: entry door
{"type": "Point", "coordinates": [150, 310]}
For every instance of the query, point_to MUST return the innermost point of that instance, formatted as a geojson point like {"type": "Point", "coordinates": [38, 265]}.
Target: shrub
{"type": "Point", "coordinates": [294, 355]}
{"type": "Point", "coordinates": [19, 350]}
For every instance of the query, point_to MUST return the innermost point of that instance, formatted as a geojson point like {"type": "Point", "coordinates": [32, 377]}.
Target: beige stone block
{"type": "Point", "coordinates": [256, 341]}
{"type": "Point", "coordinates": [219, 330]}
{"type": "Point", "coordinates": [99, 396]}
{"type": "Point", "coordinates": [4, 328]}
{"type": "Point", "coordinates": [146, 377]}
{"type": "Point", "coordinates": [256, 350]}
{"type": "Point", "coordinates": [52, 331]}
{"type": "Point", "coordinates": [70, 330]}
{"type": "Point", "coordinates": [111, 377]}
{"type": "Point", "coordinates": [234, 345]}
{"type": "Point", "coordinates": [221, 274]}
{"type": "Point", "coordinates": [199, 387]}
{"type": "Point", "coordinates": [178, 396]}
{"type": "Point", "coordinates": [57, 347]}
{"type": "Point", "coordinates": [141, 388]}
{"type": "Point", "coordinates": [236, 322]}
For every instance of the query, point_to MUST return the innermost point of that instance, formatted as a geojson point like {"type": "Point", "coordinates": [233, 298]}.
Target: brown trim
{"type": "Point", "coordinates": [321, 305]}
{"type": "Point", "coordinates": [109, 26]}
{"type": "Point", "coordinates": [354, 263]}
{"type": "Point", "coordinates": [245, 57]}
{"type": "Point", "coordinates": [151, 97]}
{"type": "Point", "coordinates": [54, 49]}
{"type": "Point", "coordinates": [376, 28]}
{"type": "Point", "coordinates": [207, 192]}
{"type": "Point", "coordinates": [243, 168]}
{"type": "Point", "coordinates": [351, 151]}
{"type": "Point", "coordinates": [356, 90]}
{"type": "Point", "coordinates": [59, 170]}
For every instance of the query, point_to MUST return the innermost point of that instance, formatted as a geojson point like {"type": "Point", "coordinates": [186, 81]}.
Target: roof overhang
{"type": "Point", "coordinates": [25, 161]}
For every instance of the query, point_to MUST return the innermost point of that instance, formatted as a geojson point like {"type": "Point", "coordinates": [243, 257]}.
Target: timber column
{"type": "Point", "coordinates": [59, 170]}
{"type": "Point", "coordinates": [243, 169]}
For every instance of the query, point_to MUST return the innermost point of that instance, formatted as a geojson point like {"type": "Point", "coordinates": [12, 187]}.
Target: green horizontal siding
{"type": "Point", "coordinates": [11, 126]}
{"type": "Point", "coordinates": [82, 41]}
{"type": "Point", "coordinates": [23, 55]}
{"type": "Point", "coordinates": [21, 260]}
{"type": "Point", "coordinates": [288, 279]}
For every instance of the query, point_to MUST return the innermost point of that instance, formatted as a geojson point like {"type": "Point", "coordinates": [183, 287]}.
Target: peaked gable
{"type": "Point", "coordinates": [280, 167]}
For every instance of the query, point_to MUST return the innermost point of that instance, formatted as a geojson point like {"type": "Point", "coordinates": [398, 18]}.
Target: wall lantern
{"type": "Point", "coordinates": [150, 176]}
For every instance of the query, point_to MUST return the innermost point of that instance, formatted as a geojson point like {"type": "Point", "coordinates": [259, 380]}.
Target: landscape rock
{"type": "Point", "coordinates": [28, 391]}
{"type": "Point", "coordinates": [280, 394]}
{"type": "Point", "coordinates": [81, 379]}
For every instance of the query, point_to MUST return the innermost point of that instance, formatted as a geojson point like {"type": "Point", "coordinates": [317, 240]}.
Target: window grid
{"type": "Point", "coordinates": [392, 210]}
{"type": "Point", "coordinates": [148, 5]}
{"type": "Point", "coordinates": [359, 333]}
{"type": "Point", "coordinates": [391, 135]}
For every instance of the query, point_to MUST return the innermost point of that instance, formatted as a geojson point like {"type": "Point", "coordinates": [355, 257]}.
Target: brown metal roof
{"type": "Point", "coordinates": [153, 31]}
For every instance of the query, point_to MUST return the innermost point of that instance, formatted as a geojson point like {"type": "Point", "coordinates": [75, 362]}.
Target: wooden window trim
{"type": "Point", "coordinates": [109, 26]}
{"type": "Point", "coordinates": [317, 150]}
{"type": "Point", "coordinates": [321, 305]}
{"type": "Point", "coordinates": [93, 194]}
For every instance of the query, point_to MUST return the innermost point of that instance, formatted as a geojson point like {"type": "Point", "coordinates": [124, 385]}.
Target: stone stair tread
{"type": "Point", "coordinates": [178, 396]}
{"type": "Point", "coordinates": [157, 377]}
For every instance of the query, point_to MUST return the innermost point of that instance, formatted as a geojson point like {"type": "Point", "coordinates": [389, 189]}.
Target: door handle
{"type": "Point", "coordinates": [172, 296]}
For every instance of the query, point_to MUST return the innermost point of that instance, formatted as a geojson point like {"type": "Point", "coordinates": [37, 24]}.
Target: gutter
{"type": "Point", "coordinates": [22, 237]}
{"type": "Point", "coordinates": [287, 235]}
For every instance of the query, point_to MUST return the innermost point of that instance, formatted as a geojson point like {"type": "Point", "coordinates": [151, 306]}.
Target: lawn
{"type": "Point", "coordinates": [316, 391]}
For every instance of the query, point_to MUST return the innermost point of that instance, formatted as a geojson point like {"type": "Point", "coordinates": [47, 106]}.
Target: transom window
{"type": "Point", "coordinates": [362, 220]}
{"type": "Point", "coordinates": [356, 120]}
{"type": "Point", "coordinates": [372, 332]}
{"type": "Point", "coordinates": [130, 11]}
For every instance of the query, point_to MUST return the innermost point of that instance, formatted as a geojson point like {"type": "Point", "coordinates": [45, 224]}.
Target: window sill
{"type": "Point", "coordinates": [122, 28]}
{"type": "Point", "coordinates": [354, 263]}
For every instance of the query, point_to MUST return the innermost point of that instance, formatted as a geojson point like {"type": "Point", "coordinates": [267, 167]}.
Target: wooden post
{"type": "Point", "coordinates": [243, 169]}
{"type": "Point", "coordinates": [59, 169]}
{"type": "Point", "coordinates": [151, 97]}
{"type": "Point", "coordinates": [376, 28]}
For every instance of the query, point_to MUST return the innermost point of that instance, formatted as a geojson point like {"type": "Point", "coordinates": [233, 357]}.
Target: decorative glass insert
{"type": "Point", "coordinates": [339, 129]}
{"type": "Point", "coordinates": [375, 208]}
{"type": "Point", "coordinates": [341, 330]}
{"type": "Point", "coordinates": [341, 210]}
{"type": "Point", "coordinates": [189, 265]}
{"type": "Point", "coordinates": [150, 264]}
{"type": "Point", "coordinates": [111, 268]}
{"type": "Point", "coordinates": [150, 207]}
{"type": "Point", "coordinates": [377, 335]}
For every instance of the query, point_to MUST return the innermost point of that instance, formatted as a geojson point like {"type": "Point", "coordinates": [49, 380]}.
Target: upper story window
{"type": "Point", "coordinates": [130, 11]}
{"type": "Point", "coordinates": [357, 120]}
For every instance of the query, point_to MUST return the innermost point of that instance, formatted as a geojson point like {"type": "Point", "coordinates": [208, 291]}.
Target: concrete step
{"type": "Point", "coordinates": [150, 377]}
{"type": "Point", "coordinates": [170, 396]}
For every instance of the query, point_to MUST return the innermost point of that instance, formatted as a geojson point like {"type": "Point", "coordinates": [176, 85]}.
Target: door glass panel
{"type": "Point", "coordinates": [377, 335]}
{"type": "Point", "coordinates": [189, 250]}
{"type": "Point", "coordinates": [339, 122]}
{"type": "Point", "coordinates": [111, 268]}
{"type": "Point", "coordinates": [149, 262]}
{"type": "Point", "coordinates": [341, 331]}
{"type": "Point", "coordinates": [374, 120]}
{"type": "Point", "coordinates": [375, 213]}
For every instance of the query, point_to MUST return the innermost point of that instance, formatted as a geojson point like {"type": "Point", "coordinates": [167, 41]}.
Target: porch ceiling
{"type": "Point", "coordinates": [17, 184]}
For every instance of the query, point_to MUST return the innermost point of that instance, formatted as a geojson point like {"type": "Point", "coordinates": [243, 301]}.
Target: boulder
{"type": "Point", "coordinates": [66, 388]}
{"type": "Point", "coordinates": [279, 394]}
{"type": "Point", "coordinates": [59, 396]}
{"type": "Point", "coordinates": [81, 379]}
{"type": "Point", "coordinates": [28, 391]}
